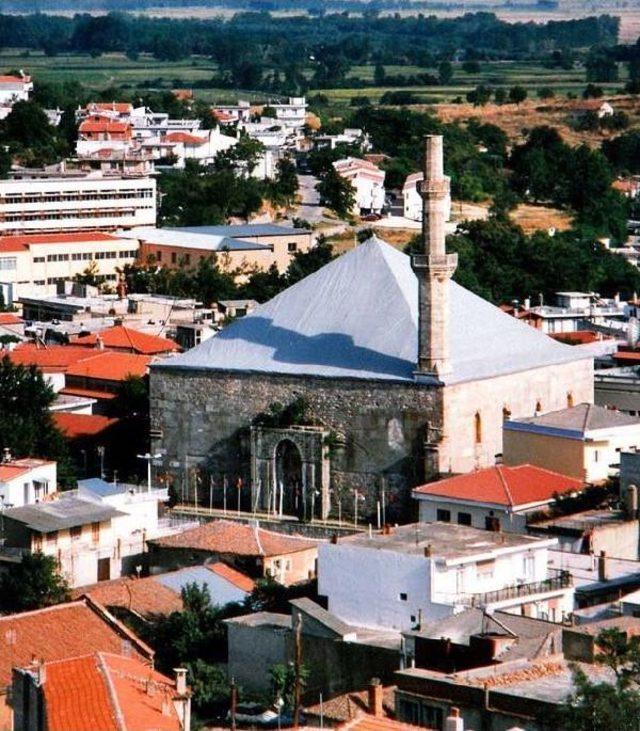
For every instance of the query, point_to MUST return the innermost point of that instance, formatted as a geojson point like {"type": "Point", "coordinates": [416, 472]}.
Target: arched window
{"type": "Point", "coordinates": [506, 413]}
{"type": "Point", "coordinates": [477, 421]}
{"type": "Point", "coordinates": [569, 400]}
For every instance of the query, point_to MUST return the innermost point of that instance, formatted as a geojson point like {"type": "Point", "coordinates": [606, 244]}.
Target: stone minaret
{"type": "Point", "coordinates": [435, 267]}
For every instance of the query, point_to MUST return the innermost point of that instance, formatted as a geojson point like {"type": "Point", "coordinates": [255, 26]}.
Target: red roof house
{"type": "Point", "coordinates": [497, 497]}
{"type": "Point", "coordinates": [128, 340]}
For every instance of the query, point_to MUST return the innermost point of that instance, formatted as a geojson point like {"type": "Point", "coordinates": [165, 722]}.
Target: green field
{"type": "Point", "coordinates": [116, 70]}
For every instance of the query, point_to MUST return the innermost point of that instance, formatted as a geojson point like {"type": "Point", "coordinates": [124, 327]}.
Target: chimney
{"type": "Point", "coordinates": [631, 502]}
{"type": "Point", "coordinates": [99, 342]}
{"type": "Point", "coordinates": [41, 671]}
{"type": "Point", "coordinates": [602, 566]}
{"type": "Point", "coordinates": [454, 722]}
{"type": "Point", "coordinates": [6, 455]}
{"type": "Point", "coordinates": [181, 681]}
{"type": "Point", "coordinates": [434, 268]}
{"type": "Point", "coordinates": [375, 698]}
{"type": "Point", "coordinates": [428, 550]}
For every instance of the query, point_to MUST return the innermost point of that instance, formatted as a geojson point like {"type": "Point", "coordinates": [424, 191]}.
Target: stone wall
{"type": "Point", "coordinates": [204, 419]}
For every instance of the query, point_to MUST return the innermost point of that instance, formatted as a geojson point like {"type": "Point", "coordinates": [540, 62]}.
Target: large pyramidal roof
{"type": "Point", "coordinates": [357, 317]}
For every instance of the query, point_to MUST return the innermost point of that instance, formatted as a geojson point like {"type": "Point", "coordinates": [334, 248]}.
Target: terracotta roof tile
{"type": "Point", "coordinates": [8, 318]}
{"type": "Point", "coordinates": [9, 471]}
{"type": "Point", "coordinates": [185, 138]}
{"type": "Point", "coordinates": [110, 366]}
{"type": "Point", "coordinates": [75, 426]}
{"type": "Point", "coordinates": [20, 242]}
{"type": "Point", "coordinates": [12, 79]}
{"type": "Point", "coordinates": [233, 576]}
{"type": "Point", "coordinates": [119, 337]}
{"type": "Point", "coordinates": [373, 723]}
{"type": "Point", "coordinates": [89, 393]}
{"type": "Point", "coordinates": [225, 537]}
{"type": "Point", "coordinates": [348, 706]}
{"type": "Point", "coordinates": [107, 692]}
{"type": "Point", "coordinates": [66, 630]}
{"type": "Point", "coordinates": [97, 123]}
{"type": "Point", "coordinates": [55, 358]}
{"type": "Point", "coordinates": [144, 596]}
{"type": "Point", "coordinates": [502, 485]}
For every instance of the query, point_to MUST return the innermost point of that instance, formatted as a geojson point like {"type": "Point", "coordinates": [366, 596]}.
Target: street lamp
{"type": "Point", "coordinates": [149, 457]}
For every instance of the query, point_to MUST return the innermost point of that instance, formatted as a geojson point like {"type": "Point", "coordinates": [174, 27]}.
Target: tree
{"type": "Point", "coordinates": [283, 682]}
{"type": "Point", "coordinates": [471, 67]}
{"type": "Point", "coordinates": [89, 275]}
{"type": "Point", "coordinates": [26, 425]}
{"type": "Point", "coordinates": [545, 92]}
{"type": "Point", "coordinates": [337, 193]}
{"type": "Point", "coordinates": [34, 583]}
{"type": "Point", "coordinates": [445, 72]}
{"type": "Point", "coordinates": [285, 184]}
{"type": "Point", "coordinates": [479, 96]}
{"type": "Point", "coordinates": [517, 94]}
{"type": "Point", "coordinates": [305, 263]}
{"type": "Point", "coordinates": [607, 705]}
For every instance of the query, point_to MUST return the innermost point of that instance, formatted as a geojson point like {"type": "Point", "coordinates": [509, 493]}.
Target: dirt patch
{"type": "Point", "coordinates": [516, 120]}
{"type": "Point", "coordinates": [536, 218]}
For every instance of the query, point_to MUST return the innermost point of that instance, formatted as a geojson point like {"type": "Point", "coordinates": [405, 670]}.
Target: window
{"type": "Point", "coordinates": [292, 247]}
{"type": "Point", "coordinates": [36, 543]}
{"type": "Point", "coordinates": [8, 263]}
{"type": "Point", "coordinates": [485, 569]}
{"type": "Point", "coordinates": [75, 532]}
{"type": "Point", "coordinates": [596, 455]}
{"type": "Point", "coordinates": [443, 516]}
{"type": "Point", "coordinates": [158, 255]}
{"type": "Point", "coordinates": [528, 566]}
{"type": "Point", "coordinates": [477, 422]}
{"type": "Point", "coordinates": [39, 259]}
{"type": "Point", "coordinates": [569, 400]}
{"type": "Point", "coordinates": [95, 532]}
{"type": "Point", "coordinates": [464, 518]}
{"type": "Point", "coordinates": [403, 596]}
{"type": "Point", "coordinates": [174, 257]}
{"type": "Point", "coordinates": [52, 538]}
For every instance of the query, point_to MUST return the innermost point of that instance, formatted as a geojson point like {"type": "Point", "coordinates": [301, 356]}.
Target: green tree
{"type": "Point", "coordinates": [33, 583]}
{"type": "Point", "coordinates": [445, 73]}
{"type": "Point", "coordinates": [517, 94]}
{"type": "Point", "coordinates": [26, 425]}
{"type": "Point", "coordinates": [285, 184]}
{"type": "Point", "coordinates": [337, 193]}
{"type": "Point", "coordinates": [479, 96]}
{"type": "Point", "coordinates": [545, 92]}
{"type": "Point", "coordinates": [283, 683]}
{"type": "Point", "coordinates": [305, 263]}
{"type": "Point", "coordinates": [607, 705]}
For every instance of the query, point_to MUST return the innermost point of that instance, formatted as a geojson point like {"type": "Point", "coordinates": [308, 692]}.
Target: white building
{"type": "Point", "coordinates": [14, 89]}
{"type": "Point", "coordinates": [292, 113]}
{"type": "Point", "coordinates": [413, 201]}
{"type": "Point", "coordinates": [495, 498]}
{"type": "Point", "coordinates": [25, 481]}
{"type": "Point", "coordinates": [96, 532]}
{"type": "Point", "coordinates": [203, 146]}
{"type": "Point", "coordinates": [426, 571]}
{"type": "Point", "coordinates": [37, 263]}
{"type": "Point", "coordinates": [35, 202]}
{"type": "Point", "coordinates": [579, 311]}
{"type": "Point", "coordinates": [367, 180]}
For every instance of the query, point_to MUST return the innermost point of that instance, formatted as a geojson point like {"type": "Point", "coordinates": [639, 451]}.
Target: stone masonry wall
{"type": "Point", "coordinates": [204, 419]}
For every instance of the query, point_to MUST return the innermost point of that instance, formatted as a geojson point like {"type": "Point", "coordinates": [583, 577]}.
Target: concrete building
{"type": "Point", "coordinates": [14, 88]}
{"type": "Point", "coordinates": [243, 247]}
{"type": "Point", "coordinates": [583, 441]}
{"type": "Point", "coordinates": [496, 498]}
{"type": "Point", "coordinates": [35, 264]}
{"type": "Point", "coordinates": [386, 359]}
{"type": "Point", "coordinates": [367, 180]}
{"type": "Point", "coordinates": [95, 533]}
{"type": "Point", "coordinates": [26, 481]}
{"type": "Point", "coordinates": [426, 571]}
{"type": "Point", "coordinates": [252, 550]}
{"type": "Point", "coordinates": [34, 202]}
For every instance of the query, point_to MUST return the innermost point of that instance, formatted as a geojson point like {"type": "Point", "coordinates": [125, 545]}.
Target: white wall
{"type": "Point", "coordinates": [14, 490]}
{"type": "Point", "coordinates": [509, 522]}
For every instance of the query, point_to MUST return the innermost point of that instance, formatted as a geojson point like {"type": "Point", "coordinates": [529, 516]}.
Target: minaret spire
{"type": "Point", "coordinates": [435, 267]}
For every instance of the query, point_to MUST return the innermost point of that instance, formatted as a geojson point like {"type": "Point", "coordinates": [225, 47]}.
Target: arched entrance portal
{"type": "Point", "coordinates": [289, 478]}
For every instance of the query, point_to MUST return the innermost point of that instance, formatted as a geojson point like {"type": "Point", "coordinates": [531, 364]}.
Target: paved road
{"type": "Point", "coordinates": [310, 208]}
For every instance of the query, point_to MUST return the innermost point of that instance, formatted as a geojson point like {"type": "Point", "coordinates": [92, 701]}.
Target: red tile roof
{"type": "Point", "coordinates": [108, 365]}
{"type": "Point", "coordinates": [8, 318]}
{"type": "Point", "coordinates": [238, 579]}
{"type": "Point", "coordinates": [145, 596]}
{"type": "Point", "coordinates": [77, 426]}
{"type": "Point", "coordinates": [104, 124]}
{"type": "Point", "coordinates": [12, 79]}
{"type": "Point", "coordinates": [373, 723]}
{"type": "Point", "coordinates": [502, 485]}
{"type": "Point", "coordinates": [107, 692]}
{"type": "Point", "coordinates": [66, 630]}
{"type": "Point", "coordinates": [120, 337]}
{"type": "Point", "coordinates": [225, 537]}
{"type": "Point", "coordinates": [10, 470]}
{"type": "Point", "coordinates": [88, 393]}
{"type": "Point", "coordinates": [120, 107]}
{"type": "Point", "coordinates": [52, 359]}
{"type": "Point", "coordinates": [185, 138]}
{"type": "Point", "coordinates": [627, 356]}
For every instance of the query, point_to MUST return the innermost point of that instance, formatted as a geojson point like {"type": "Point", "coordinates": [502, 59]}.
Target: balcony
{"type": "Point", "coordinates": [562, 580]}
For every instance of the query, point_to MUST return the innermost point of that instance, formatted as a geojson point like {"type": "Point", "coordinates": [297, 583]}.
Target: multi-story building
{"type": "Point", "coordinates": [33, 201]}
{"type": "Point", "coordinates": [36, 263]}
{"type": "Point", "coordinates": [367, 180]}
{"type": "Point", "coordinates": [27, 480]}
{"type": "Point", "coordinates": [96, 532]}
{"type": "Point", "coordinates": [397, 578]}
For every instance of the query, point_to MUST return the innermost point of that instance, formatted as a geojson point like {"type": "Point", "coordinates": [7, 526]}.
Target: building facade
{"type": "Point", "coordinates": [33, 203]}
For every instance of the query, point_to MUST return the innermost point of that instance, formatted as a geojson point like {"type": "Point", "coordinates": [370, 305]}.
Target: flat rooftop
{"type": "Point", "coordinates": [579, 522]}
{"type": "Point", "coordinates": [67, 512]}
{"type": "Point", "coordinates": [248, 229]}
{"type": "Point", "coordinates": [197, 238]}
{"type": "Point", "coordinates": [446, 540]}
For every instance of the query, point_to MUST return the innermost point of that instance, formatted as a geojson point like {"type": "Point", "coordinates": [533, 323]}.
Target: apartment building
{"type": "Point", "coordinates": [36, 263]}
{"type": "Point", "coordinates": [32, 202]}
{"type": "Point", "coordinates": [428, 571]}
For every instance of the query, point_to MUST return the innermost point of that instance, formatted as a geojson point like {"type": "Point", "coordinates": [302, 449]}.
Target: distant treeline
{"type": "Point", "coordinates": [310, 6]}
{"type": "Point", "coordinates": [258, 51]}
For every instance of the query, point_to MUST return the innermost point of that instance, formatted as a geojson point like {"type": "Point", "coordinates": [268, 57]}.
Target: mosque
{"type": "Point", "coordinates": [398, 373]}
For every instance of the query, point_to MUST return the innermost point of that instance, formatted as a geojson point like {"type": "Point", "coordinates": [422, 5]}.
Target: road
{"type": "Point", "coordinates": [309, 208]}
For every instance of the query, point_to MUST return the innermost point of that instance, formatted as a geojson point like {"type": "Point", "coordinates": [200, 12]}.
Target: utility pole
{"type": "Point", "coordinates": [234, 700]}
{"type": "Point", "coordinates": [298, 671]}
